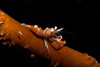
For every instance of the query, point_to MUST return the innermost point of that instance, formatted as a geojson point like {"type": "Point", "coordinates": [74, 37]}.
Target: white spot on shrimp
{"type": "Point", "coordinates": [52, 29]}
{"type": "Point", "coordinates": [55, 27]}
{"type": "Point", "coordinates": [20, 32]}
{"type": "Point", "coordinates": [35, 25]}
{"type": "Point", "coordinates": [38, 28]}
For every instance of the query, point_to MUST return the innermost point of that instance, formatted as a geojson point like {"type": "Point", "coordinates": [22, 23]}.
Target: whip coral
{"type": "Point", "coordinates": [15, 34]}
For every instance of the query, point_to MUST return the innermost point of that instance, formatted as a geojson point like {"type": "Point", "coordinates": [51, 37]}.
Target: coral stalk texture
{"type": "Point", "coordinates": [16, 34]}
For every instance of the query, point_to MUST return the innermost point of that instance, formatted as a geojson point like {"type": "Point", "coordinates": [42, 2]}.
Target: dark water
{"type": "Point", "coordinates": [79, 18]}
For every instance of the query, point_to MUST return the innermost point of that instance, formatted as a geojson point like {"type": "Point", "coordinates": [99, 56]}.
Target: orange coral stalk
{"type": "Point", "coordinates": [14, 33]}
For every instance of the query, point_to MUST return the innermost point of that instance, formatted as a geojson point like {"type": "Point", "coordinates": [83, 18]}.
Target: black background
{"type": "Point", "coordinates": [79, 18]}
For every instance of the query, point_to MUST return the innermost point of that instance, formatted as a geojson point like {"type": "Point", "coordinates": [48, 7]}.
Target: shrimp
{"type": "Point", "coordinates": [49, 35]}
